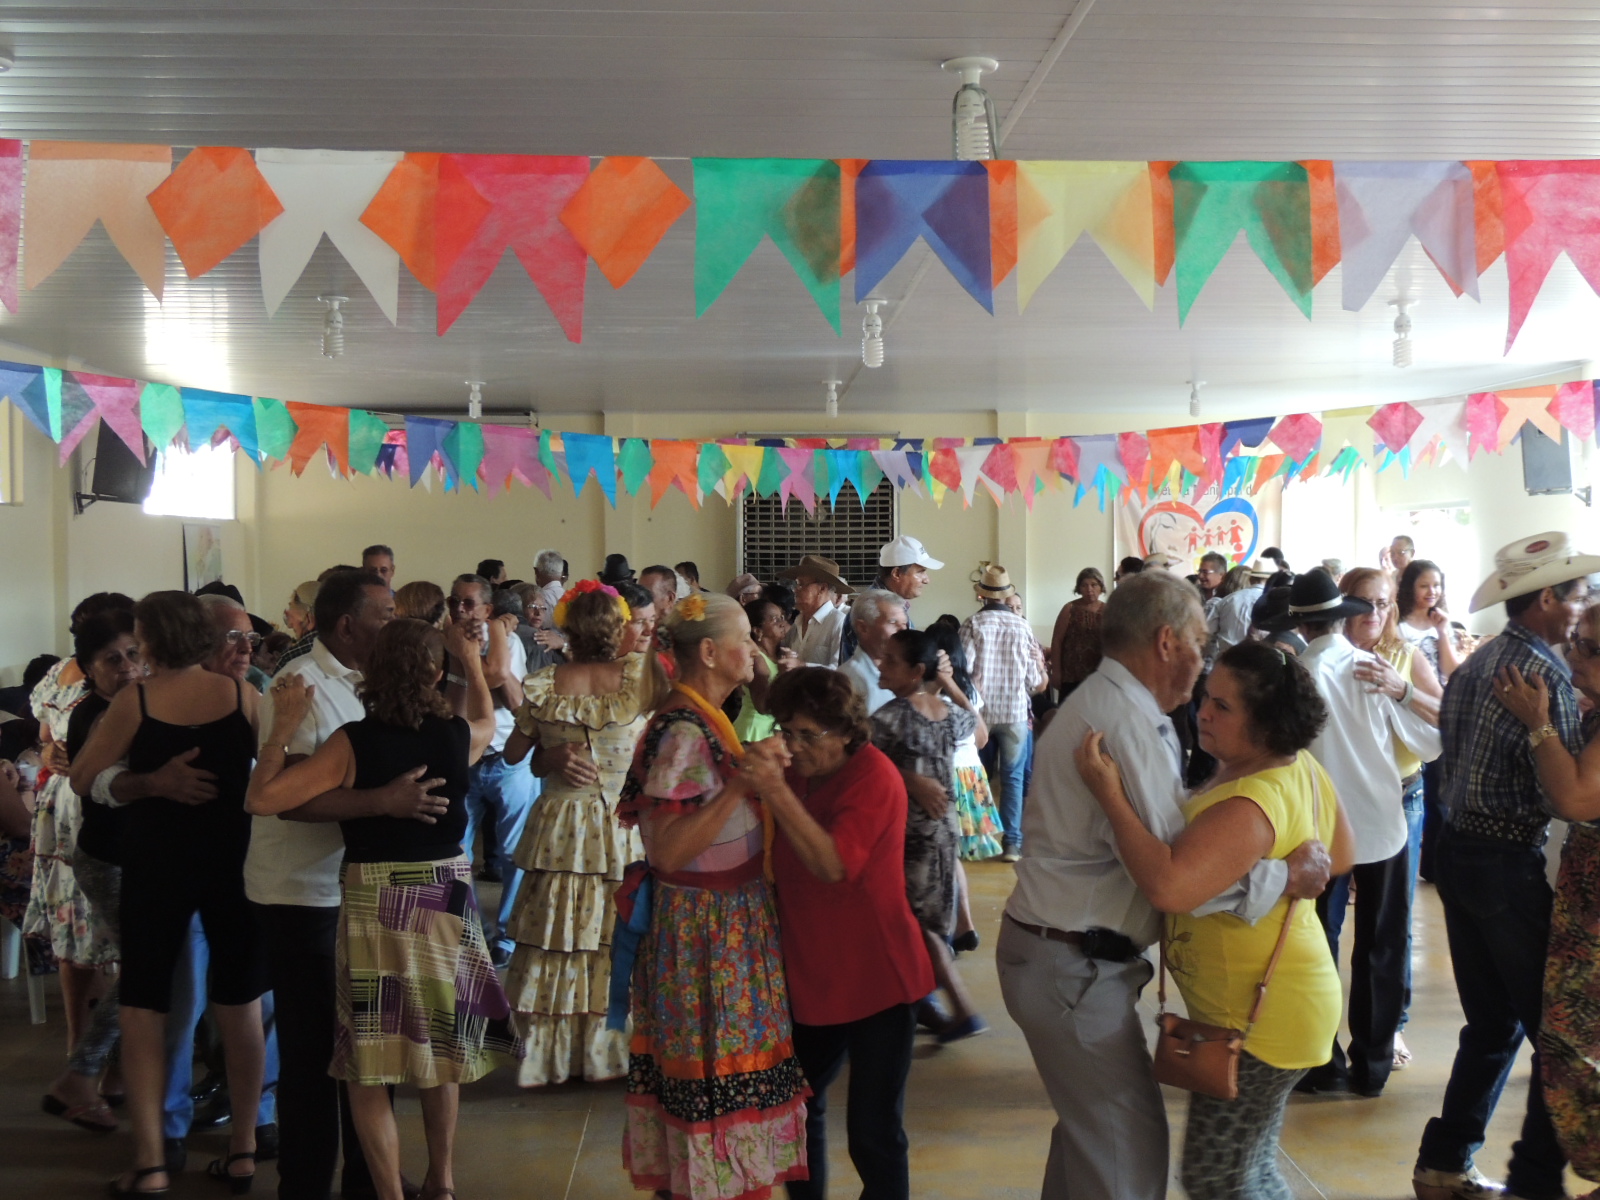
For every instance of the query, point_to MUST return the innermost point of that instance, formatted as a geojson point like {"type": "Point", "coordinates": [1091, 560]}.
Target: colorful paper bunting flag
{"type": "Point", "coordinates": [592, 454]}
{"type": "Point", "coordinates": [1058, 202]}
{"type": "Point", "coordinates": [849, 169]}
{"type": "Point", "coordinates": [1395, 424]}
{"type": "Point", "coordinates": [404, 214]}
{"type": "Point", "coordinates": [1548, 207]}
{"type": "Point", "coordinates": [17, 384]}
{"type": "Point", "coordinates": [1528, 406]}
{"type": "Point", "coordinates": [1383, 205]}
{"type": "Point", "coordinates": [1002, 218]}
{"type": "Point", "coordinates": [1270, 202]}
{"type": "Point", "coordinates": [275, 428]}
{"type": "Point", "coordinates": [71, 185]}
{"type": "Point", "coordinates": [795, 202]}
{"type": "Point", "coordinates": [116, 401]}
{"type": "Point", "coordinates": [367, 433]}
{"type": "Point", "coordinates": [944, 203]}
{"type": "Point", "coordinates": [1297, 435]}
{"type": "Point", "coordinates": [325, 192]}
{"type": "Point", "coordinates": [208, 413]}
{"type": "Point", "coordinates": [160, 414]}
{"type": "Point", "coordinates": [1134, 451]}
{"type": "Point", "coordinates": [1485, 412]}
{"type": "Point", "coordinates": [425, 438]}
{"type": "Point", "coordinates": [1574, 406]}
{"type": "Point", "coordinates": [1161, 213]}
{"type": "Point", "coordinates": [10, 218]}
{"type": "Point", "coordinates": [1248, 434]}
{"type": "Point", "coordinates": [713, 466]}
{"type": "Point", "coordinates": [1097, 451]}
{"type": "Point", "coordinates": [1325, 247]}
{"type": "Point", "coordinates": [463, 446]}
{"type": "Point", "coordinates": [71, 410]}
{"type": "Point", "coordinates": [215, 202]}
{"type": "Point", "coordinates": [797, 484]}
{"type": "Point", "coordinates": [1064, 457]}
{"type": "Point", "coordinates": [319, 425]}
{"type": "Point", "coordinates": [633, 463]}
{"type": "Point", "coordinates": [676, 465]}
{"type": "Point", "coordinates": [1488, 206]}
{"type": "Point", "coordinates": [622, 212]}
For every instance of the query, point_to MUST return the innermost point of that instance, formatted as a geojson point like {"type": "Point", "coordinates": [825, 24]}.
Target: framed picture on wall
{"type": "Point", "coordinates": [202, 555]}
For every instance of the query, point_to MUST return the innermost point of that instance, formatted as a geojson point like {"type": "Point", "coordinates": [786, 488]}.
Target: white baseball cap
{"type": "Point", "coordinates": [907, 551]}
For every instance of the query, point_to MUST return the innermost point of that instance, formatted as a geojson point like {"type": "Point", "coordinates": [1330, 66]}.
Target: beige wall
{"type": "Point", "coordinates": [288, 529]}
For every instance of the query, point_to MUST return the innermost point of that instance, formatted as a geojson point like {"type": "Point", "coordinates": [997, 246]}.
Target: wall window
{"type": "Point", "coordinates": [850, 533]}
{"type": "Point", "coordinates": [196, 483]}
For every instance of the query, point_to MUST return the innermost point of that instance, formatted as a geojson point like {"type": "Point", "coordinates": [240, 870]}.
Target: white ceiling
{"type": "Point", "coordinates": [1202, 79]}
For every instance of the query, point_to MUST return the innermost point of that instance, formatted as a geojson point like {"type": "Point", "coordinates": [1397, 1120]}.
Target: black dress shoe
{"type": "Point", "coordinates": [176, 1153]}
{"type": "Point", "coordinates": [1323, 1082]}
{"type": "Point", "coordinates": [965, 942]}
{"type": "Point", "coordinates": [267, 1142]}
{"type": "Point", "coordinates": [212, 1113]}
{"type": "Point", "coordinates": [499, 956]}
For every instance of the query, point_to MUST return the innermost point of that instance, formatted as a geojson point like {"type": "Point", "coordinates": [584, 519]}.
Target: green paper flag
{"type": "Point", "coordinates": [52, 393]}
{"type": "Point", "coordinates": [275, 428]}
{"type": "Point", "coordinates": [464, 446]}
{"type": "Point", "coordinates": [547, 456]}
{"type": "Point", "coordinates": [366, 438]}
{"type": "Point", "coordinates": [714, 465]}
{"type": "Point", "coordinates": [819, 473]}
{"type": "Point", "coordinates": [160, 413]}
{"type": "Point", "coordinates": [773, 472]}
{"type": "Point", "coordinates": [794, 201]}
{"type": "Point", "coordinates": [635, 461]}
{"type": "Point", "coordinates": [871, 475]}
{"type": "Point", "coordinates": [1270, 202]}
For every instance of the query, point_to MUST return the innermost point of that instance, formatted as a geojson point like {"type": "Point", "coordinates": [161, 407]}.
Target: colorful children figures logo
{"type": "Point", "coordinates": [1229, 527]}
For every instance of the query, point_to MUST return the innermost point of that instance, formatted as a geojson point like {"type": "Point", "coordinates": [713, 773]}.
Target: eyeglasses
{"type": "Point", "coordinates": [461, 602]}
{"type": "Point", "coordinates": [235, 636]}
{"type": "Point", "coordinates": [806, 737]}
{"type": "Point", "coordinates": [1584, 647]}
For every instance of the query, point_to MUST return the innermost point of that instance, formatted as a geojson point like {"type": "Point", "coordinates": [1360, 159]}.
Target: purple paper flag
{"type": "Point", "coordinates": [946, 203]}
{"type": "Point", "coordinates": [1381, 205]}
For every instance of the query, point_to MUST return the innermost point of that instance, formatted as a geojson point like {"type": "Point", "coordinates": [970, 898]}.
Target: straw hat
{"type": "Point", "coordinates": [993, 582]}
{"type": "Point", "coordinates": [1263, 568]}
{"type": "Point", "coordinates": [821, 570]}
{"type": "Point", "coordinates": [1531, 565]}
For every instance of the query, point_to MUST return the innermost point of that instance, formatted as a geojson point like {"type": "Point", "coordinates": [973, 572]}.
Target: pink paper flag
{"type": "Point", "coordinates": [1033, 462]}
{"type": "Point", "coordinates": [10, 218]}
{"type": "Point", "coordinates": [117, 402]}
{"type": "Point", "coordinates": [1574, 408]}
{"type": "Point", "coordinates": [71, 185]}
{"type": "Point", "coordinates": [1395, 424]}
{"type": "Point", "coordinates": [512, 453]}
{"type": "Point", "coordinates": [525, 194]}
{"type": "Point", "coordinates": [800, 482]}
{"type": "Point", "coordinates": [1548, 207]}
{"type": "Point", "coordinates": [1064, 457]}
{"type": "Point", "coordinates": [1297, 435]}
{"type": "Point", "coordinates": [1134, 451]}
{"type": "Point", "coordinates": [1485, 411]}
{"type": "Point", "coordinates": [1528, 406]}
{"type": "Point", "coordinates": [1211, 453]}
{"type": "Point", "coordinates": [1001, 466]}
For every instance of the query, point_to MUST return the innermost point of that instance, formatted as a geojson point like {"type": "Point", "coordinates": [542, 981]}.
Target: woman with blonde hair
{"type": "Point", "coordinates": [585, 716]}
{"type": "Point", "coordinates": [418, 999]}
{"type": "Point", "coordinates": [297, 614]}
{"type": "Point", "coordinates": [716, 1106]}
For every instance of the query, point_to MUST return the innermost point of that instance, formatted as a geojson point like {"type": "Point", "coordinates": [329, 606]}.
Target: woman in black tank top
{"type": "Point", "coordinates": [180, 859]}
{"type": "Point", "coordinates": [418, 998]}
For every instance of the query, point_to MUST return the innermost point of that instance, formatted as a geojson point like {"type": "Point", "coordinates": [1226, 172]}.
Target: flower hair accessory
{"type": "Point", "coordinates": [693, 608]}
{"type": "Point", "coordinates": [582, 588]}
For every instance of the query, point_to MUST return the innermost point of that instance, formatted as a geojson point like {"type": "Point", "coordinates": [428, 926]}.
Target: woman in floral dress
{"type": "Point", "coordinates": [585, 716]}
{"type": "Point", "coordinates": [716, 1098]}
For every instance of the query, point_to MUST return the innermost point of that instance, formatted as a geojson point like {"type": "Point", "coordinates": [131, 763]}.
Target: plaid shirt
{"type": "Point", "coordinates": [1490, 786]}
{"type": "Point", "coordinates": [1005, 662]}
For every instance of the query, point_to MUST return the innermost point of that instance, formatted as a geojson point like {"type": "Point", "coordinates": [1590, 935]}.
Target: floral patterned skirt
{"type": "Point", "coordinates": [1569, 1032]}
{"type": "Point", "coordinates": [716, 1098]}
{"type": "Point", "coordinates": [57, 908]}
{"type": "Point", "coordinates": [980, 819]}
{"type": "Point", "coordinates": [16, 882]}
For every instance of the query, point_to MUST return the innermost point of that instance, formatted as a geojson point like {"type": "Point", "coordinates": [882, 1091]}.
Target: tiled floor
{"type": "Point", "coordinates": [976, 1113]}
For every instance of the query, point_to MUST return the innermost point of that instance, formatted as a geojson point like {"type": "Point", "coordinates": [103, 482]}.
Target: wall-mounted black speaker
{"type": "Point", "coordinates": [1546, 463]}
{"type": "Point", "coordinates": [118, 473]}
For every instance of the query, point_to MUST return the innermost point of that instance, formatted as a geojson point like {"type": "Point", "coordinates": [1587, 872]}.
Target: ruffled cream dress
{"type": "Point", "coordinates": [574, 853]}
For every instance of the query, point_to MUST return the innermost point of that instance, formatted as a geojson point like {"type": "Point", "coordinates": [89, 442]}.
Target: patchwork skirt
{"type": "Point", "coordinates": [418, 998]}
{"type": "Point", "coordinates": [1569, 1033]}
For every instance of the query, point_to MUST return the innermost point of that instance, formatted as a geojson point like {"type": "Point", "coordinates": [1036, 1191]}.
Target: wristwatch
{"type": "Point", "coordinates": [1538, 736]}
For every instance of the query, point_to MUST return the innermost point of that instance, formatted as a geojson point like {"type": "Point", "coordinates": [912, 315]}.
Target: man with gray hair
{"type": "Point", "coordinates": [237, 641]}
{"type": "Point", "coordinates": [1072, 946]}
{"type": "Point", "coordinates": [877, 615]}
{"type": "Point", "coordinates": [550, 573]}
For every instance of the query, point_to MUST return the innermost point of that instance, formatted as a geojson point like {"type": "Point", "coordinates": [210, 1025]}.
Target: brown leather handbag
{"type": "Point", "coordinates": [1205, 1058]}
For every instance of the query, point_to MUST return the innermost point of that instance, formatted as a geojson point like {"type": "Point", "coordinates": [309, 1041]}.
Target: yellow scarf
{"type": "Point", "coordinates": [718, 720]}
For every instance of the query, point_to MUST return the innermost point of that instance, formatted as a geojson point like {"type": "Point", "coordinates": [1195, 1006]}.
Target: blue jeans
{"type": "Point", "coordinates": [1497, 915]}
{"type": "Point", "coordinates": [1416, 811]}
{"type": "Point", "coordinates": [1013, 743]}
{"type": "Point", "coordinates": [499, 798]}
{"type": "Point", "coordinates": [188, 1006]}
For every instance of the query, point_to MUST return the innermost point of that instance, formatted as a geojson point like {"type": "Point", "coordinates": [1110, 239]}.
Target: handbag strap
{"type": "Point", "coordinates": [1277, 949]}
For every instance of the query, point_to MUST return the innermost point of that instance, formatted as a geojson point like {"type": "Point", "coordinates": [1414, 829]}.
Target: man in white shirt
{"type": "Point", "coordinates": [292, 875]}
{"type": "Point", "coordinates": [814, 637]}
{"type": "Point", "coordinates": [1357, 747]}
{"type": "Point", "coordinates": [1228, 617]}
{"type": "Point", "coordinates": [877, 615]}
{"type": "Point", "coordinates": [500, 795]}
{"type": "Point", "coordinates": [550, 573]}
{"type": "Point", "coordinates": [1071, 946]}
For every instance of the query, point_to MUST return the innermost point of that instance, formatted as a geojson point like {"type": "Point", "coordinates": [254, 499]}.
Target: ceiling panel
{"type": "Point", "coordinates": [848, 78]}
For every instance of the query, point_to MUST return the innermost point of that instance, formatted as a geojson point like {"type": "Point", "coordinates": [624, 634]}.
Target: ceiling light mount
{"type": "Point", "coordinates": [475, 399]}
{"type": "Point", "coordinates": [1402, 329]}
{"type": "Point", "coordinates": [872, 333]}
{"type": "Point", "coordinates": [974, 134]}
{"type": "Point", "coordinates": [831, 407]}
{"type": "Point", "coordinates": [7, 61]}
{"type": "Point", "coordinates": [1194, 396]}
{"type": "Point", "coordinates": [333, 325]}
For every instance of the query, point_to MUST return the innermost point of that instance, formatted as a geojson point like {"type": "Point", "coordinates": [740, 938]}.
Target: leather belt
{"type": "Point", "coordinates": [1071, 937]}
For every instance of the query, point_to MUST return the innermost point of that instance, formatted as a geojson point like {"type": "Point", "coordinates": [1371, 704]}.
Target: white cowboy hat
{"type": "Point", "coordinates": [1531, 565]}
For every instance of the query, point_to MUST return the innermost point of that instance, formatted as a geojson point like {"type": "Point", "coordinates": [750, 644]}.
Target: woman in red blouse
{"type": "Point", "coordinates": [852, 950]}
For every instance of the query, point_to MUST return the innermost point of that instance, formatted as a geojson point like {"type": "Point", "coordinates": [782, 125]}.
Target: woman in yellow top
{"type": "Point", "coordinates": [1260, 712]}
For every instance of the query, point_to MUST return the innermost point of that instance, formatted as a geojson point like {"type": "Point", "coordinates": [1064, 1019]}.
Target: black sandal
{"type": "Point", "coordinates": [133, 1188]}
{"type": "Point", "coordinates": [239, 1184]}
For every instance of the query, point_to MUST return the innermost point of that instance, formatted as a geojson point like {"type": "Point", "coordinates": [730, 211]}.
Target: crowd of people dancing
{"type": "Point", "coordinates": [730, 833]}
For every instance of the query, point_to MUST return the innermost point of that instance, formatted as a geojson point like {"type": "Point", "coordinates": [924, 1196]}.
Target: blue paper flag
{"type": "Point", "coordinates": [1233, 475]}
{"type": "Point", "coordinates": [1248, 434]}
{"type": "Point", "coordinates": [945, 203]}
{"type": "Point", "coordinates": [206, 412]}
{"type": "Point", "coordinates": [425, 438]}
{"type": "Point", "coordinates": [844, 465]}
{"type": "Point", "coordinates": [16, 380]}
{"type": "Point", "coordinates": [591, 453]}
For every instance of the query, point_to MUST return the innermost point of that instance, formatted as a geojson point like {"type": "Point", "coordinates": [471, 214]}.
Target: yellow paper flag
{"type": "Point", "coordinates": [1057, 202]}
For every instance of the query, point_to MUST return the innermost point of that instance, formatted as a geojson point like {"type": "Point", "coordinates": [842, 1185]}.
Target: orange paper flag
{"type": "Point", "coordinates": [675, 463]}
{"type": "Point", "coordinates": [71, 185]}
{"type": "Point", "coordinates": [1161, 204]}
{"type": "Point", "coordinates": [1325, 247]}
{"type": "Point", "coordinates": [1528, 406]}
{"type": "Point", "coordinates": [1491, 233]}
{"type": "Point", "coordinates": [1002, 217]}
{"type": "Point", "coordinates": [402, 214]}
{"type": "Point", "coordinates": [319, 425]}
{"type": "Point", "coordinates": [621, 212]}
{"type": "Point", "coordinates": [849, 168]}
{"type": "Point", "coordinates": [215, 202]}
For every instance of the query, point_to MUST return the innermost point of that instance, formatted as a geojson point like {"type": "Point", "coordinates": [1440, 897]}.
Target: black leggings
{"type": "Point", "coordinates": [157, 906]}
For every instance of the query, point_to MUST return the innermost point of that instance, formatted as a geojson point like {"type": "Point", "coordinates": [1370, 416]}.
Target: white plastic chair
{"type": "Point", "coordinates": [11, 966]}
